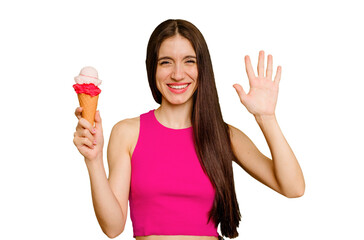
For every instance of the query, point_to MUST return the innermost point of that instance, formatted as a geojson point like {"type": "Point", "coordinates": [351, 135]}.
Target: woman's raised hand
{"type": "Point", "coordinates": [89, 140]}
{"type": "Point", "coordinates": [263, 93]}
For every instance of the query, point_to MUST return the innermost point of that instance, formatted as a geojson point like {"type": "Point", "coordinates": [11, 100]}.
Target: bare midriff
{"type": "Point", "coordinates": [177, 237]}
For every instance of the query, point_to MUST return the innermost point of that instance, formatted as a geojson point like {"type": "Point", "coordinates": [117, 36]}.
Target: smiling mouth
{"type": "Point", "coordinates": [178, 86]}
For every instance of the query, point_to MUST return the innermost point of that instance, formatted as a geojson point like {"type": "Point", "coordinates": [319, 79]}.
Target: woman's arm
{"type": "Point", "coordinates": [107, 194]}
{"type": "Point", "coordinates": [110, 196]}
{"type": "Point", "coordinates": [283, 173]}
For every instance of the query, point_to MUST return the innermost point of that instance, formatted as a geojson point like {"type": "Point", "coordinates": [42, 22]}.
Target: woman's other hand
{"type": "Point", "coordinates": [263, 93]}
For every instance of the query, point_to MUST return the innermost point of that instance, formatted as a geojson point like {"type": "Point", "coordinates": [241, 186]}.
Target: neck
{"type": "Point", "coordinates": [175, 116]}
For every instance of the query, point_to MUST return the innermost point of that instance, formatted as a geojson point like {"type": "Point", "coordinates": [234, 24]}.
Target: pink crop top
{"type": "Point", "coordinates": [169, 192]}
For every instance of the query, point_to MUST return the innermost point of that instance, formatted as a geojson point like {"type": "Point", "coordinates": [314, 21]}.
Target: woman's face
{"type": "Point", "coordinates": [176, 67]}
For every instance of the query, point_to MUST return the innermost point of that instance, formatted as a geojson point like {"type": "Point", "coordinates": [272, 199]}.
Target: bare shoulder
{"type": "Point", "coordinates": [238, 136]}
{"type": "Point", "coordinates": [127, 124]}
{"type": "Point", "coordinates": [128, 131]}
{"type": "Point", "coordinates": [236, 132]}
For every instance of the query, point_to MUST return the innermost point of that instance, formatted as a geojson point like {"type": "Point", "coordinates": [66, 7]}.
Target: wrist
{"type": "Point", "coordinates": [94, 163]}
{"type": "Point", "coordinates": [262, 118]}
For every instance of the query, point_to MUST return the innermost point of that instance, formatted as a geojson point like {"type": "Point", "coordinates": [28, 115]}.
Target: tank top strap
{"type": "Point", "coordinates": [146, 122]}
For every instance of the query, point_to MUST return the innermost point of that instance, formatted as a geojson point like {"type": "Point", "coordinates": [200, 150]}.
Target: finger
{"type": "Point", "coordinates": [239, 89]}
{"type": "Point", "coordinates": [76, 141]}
{"type": "Point", "coordinates": [78, 112]}
{"type": "Point", "coordinates": [261, 64]}
{"type": "Point", "coordinates": [249, 68]}
{"type": "Point", "coordinates": [87, 142]}
{"type": "Point", "coordinates": [84, 133]}
{"type": "Point", "coordinates": [75, 138]}
{"type": "Point", "coordinates": [269, 67]}
{"type": "Point", "coordinates": [83, 123]}
{"type": "Point", "coordinates": [87, 134]}
{"type": "Point", "coordinates": [277, 78]}
{"type": "Point", "coordinates": [76, 134]}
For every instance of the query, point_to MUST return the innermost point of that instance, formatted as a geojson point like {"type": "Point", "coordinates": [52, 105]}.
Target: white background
{"type": "Point", "coordinates": [44, 184]}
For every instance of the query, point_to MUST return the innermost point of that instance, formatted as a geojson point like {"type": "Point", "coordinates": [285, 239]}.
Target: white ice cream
{"type": "Point", "coordinates": [88, 75]}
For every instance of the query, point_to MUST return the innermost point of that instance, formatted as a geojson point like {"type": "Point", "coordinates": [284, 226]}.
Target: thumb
{"type": "Point", "coordinates": [239, 89]}
{"type": "Point", "coordinates": [98, 121]}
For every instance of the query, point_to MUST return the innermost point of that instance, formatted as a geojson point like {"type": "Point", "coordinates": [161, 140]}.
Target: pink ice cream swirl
{"type": "Point", "coordinates": [89, 89]}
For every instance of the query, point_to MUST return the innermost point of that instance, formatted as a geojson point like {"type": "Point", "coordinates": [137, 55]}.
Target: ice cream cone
{"type": "Point", "coordinates": [89, 106]}
{"type": "Point", "coordinates": [87, 90]}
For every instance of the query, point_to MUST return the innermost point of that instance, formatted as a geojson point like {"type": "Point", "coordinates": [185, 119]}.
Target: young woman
{"type": "Point", "coordinates": [174, 164]}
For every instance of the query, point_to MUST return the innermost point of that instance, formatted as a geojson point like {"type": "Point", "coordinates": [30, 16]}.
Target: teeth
{"type": "Point", "coordinates": [178, 87]}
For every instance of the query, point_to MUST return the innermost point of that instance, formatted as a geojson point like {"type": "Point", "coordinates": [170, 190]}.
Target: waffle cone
{"type": "Point", "coordinates": [89, 105]}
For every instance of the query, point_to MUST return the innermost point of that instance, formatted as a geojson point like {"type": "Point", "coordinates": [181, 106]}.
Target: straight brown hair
{"type": "Point", "coordinates": [211, 133]}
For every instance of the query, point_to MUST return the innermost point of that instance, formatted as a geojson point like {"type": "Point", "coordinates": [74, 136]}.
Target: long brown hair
{"type": "Point", "coordinates": [211, 133]}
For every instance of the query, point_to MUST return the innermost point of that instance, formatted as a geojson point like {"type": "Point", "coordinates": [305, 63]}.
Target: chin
{"type": "Point", "coordinates": [176, 102]}
{"type": "Point", "coordinates": [180, 101]}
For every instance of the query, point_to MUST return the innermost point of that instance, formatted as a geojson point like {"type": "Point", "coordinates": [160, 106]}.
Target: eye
{"type": "Point", "coordinates": [190, 61]}
{"type": "Point", "coordinates": [163, 62]}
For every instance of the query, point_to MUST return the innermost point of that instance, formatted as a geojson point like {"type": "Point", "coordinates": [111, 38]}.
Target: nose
{"type": "Point", "coordinates": [178, 72]}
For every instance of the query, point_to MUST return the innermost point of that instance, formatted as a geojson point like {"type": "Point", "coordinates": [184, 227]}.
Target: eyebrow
{"type": "Point", "coordinates": [166, 57]}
